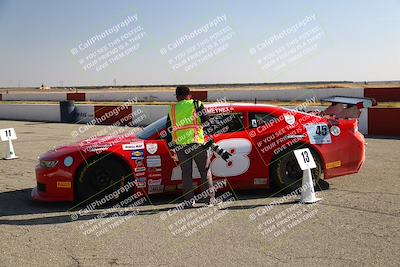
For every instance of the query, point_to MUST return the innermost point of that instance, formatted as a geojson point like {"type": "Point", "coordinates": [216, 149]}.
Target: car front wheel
{"type": "Point", "coordinates": [101, 177]}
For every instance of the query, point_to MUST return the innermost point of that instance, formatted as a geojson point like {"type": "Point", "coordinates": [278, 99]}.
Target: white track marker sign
{"type": "Point", "coordinates": [306, 162]}
{"type": "Point", "coordinates": [8, 135]}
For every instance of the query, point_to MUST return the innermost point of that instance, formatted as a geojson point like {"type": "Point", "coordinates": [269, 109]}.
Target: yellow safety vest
{"type": "Point", "coordinates": [186, 125]}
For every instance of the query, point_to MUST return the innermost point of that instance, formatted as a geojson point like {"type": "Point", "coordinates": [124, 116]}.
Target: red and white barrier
{"type": "Point", "coordinates": [374, 121]}
{"type": "Point", "coordinates": [212, 95]}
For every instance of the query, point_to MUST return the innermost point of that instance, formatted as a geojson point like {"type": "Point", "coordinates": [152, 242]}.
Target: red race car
{"type": "Point", "coordinates": [260, 138]}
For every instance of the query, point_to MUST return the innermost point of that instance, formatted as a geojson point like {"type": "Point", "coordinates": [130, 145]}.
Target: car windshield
{"type": "Point", "coordinates": [153, 128]}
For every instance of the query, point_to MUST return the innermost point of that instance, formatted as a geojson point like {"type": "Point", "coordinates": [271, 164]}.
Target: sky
{"type": "Point", "coordinates": [71, 43]}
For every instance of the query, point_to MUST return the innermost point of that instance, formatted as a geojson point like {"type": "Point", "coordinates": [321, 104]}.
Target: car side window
{"type": "Point", "coordinates": [257, 119]}
{"type": "Point", "coordinates": [224, 123]}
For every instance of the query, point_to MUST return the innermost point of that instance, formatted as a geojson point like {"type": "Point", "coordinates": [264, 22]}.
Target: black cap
{"type": "Point", "coordinates": [182, 90]}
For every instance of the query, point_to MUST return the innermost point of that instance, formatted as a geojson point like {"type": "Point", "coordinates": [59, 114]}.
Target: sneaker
{"type": "Point", "coordinates": [204, 200]}
{"type": "Point", "coordinates": [190, 205]}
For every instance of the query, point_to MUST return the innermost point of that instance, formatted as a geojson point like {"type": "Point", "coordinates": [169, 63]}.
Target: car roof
{"type": "Point", "coordinates": [218, 105]}
{"type": "Point", "coordinates": [256, 107]}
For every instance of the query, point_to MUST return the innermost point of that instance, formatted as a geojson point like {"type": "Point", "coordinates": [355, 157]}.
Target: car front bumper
{"type": "Point", "coordinates": [53, 185]}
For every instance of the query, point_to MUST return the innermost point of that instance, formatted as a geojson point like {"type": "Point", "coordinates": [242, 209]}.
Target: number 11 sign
{"type": "Point", "coordinates": [8, 134]}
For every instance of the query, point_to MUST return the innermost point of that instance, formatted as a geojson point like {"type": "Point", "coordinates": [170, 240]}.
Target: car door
{"type": "Point", "coordinates": [231, 135]}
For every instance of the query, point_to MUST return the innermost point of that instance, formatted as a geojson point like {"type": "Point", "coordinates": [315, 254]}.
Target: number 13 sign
{"type": "Point", "coordinates": [305, 159]}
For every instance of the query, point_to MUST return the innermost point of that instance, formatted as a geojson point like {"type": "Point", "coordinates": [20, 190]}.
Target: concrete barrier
{"type": "Point", "coordinates": [131, 96]}
{"type": "Point", "coordinates": [85, 113]}
{"type": "Point", "coordinates": [35, 112]}
{"type": "Point", "coordinates": [35, 97]}
{"type": "Point", "coordinates": [142, 115]}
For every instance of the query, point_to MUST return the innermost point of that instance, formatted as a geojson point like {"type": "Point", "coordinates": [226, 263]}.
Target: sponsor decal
{"type": "Point", "coordinates": [335, 130]}
{"type": "Point", "coordinates": [170, 188]}
{"type": "Point", "coordinates": [334, 164]}
{"type": "Point", "coordinates": [154, 182]}
{"type": "Point", "coordinates": [139, 162]}
{"type": "Point", "coordinates": [153, 161]}
{"type": "Point", "coordinates": [98, 149]}
{"type": "Point", "coordinates": [154, 174]}
{"type": "Point", "coordinates": [254, 123]}
{"type": "Point", "coordinates": [154, 189]}
{"type": "Point", "coordinates": [154, 157]}
{"type": "Point", "coordinates": [133, 146]}
{"type": "Point", "coordinates": [137, 154]}
{"type": "Point", "coordinates": [152, 148]}
{"type": "Point", "coordinates": [140, 173]}
{"type": "Point", "coordinates": [290, 119]}
{"type": "Point", "coordinates": [140, 169]}
{"type": "Point", "coordinates": [140, 182]}
{"type": "Point", "coordinates": [219, 109]}
{"type": "Point", "coordinates": [63, 184]}
{"type": "Point", "coordinates": [260, 181]}
{"type": "Point", "coordinates": [152, 169]}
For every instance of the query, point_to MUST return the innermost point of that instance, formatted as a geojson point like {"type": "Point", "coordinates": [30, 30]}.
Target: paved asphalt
{"type": "Point", "coordinates": [357, 222]}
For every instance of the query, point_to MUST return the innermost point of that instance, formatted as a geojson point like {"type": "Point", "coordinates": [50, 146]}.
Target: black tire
{"type": "Point", "coordinates": [286, 173]}
{"type": "Point", "coordinates": [102, 176]}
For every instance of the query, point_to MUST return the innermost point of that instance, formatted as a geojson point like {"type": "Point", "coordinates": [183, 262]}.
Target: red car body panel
{"type": "Point", "coordinates": [252, 149]}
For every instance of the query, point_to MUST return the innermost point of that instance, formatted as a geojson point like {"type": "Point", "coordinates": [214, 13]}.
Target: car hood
{"type": "Point", "coordinates": [91, 145]}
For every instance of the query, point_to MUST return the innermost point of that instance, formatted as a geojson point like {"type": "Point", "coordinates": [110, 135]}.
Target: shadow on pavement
{"type": "Point", "coordinates": [19, 203]}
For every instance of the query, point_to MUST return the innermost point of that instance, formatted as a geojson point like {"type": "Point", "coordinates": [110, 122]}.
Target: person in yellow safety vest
{"type": "Point", "coordinates": [185, 137]}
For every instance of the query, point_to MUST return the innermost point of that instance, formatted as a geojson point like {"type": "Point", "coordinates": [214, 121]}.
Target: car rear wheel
{"type": "Point", "coordinates": [100, 178]}
{"type": "Point", "coordinates": [286, 172]}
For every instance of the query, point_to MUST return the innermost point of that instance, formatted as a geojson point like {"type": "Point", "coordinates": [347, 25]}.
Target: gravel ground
{"type": "Point", "coordinates": [356, 223]}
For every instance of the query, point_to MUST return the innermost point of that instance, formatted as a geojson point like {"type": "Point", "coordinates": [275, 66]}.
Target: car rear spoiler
{"type": "Point", "coordinates": [344, 107]}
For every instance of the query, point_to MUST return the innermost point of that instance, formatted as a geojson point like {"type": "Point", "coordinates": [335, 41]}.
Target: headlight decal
{"type": "Point", "coordinates": [48, 163]}
{"type": "Point", "coordinates": [68, 161]}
